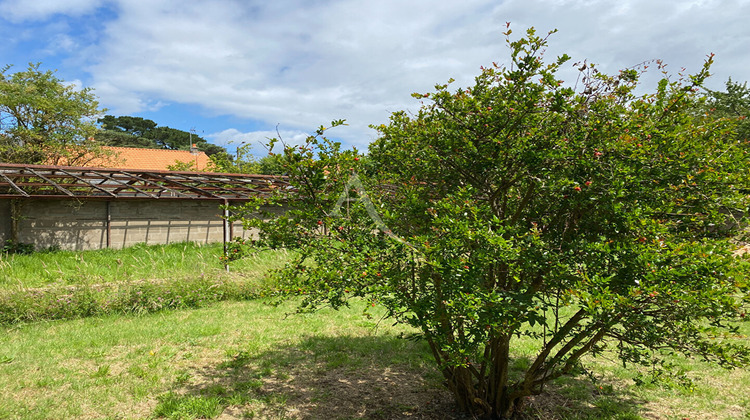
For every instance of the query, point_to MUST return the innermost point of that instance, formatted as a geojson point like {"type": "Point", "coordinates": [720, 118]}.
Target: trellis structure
{"type": "Point", "coordinates": [38, 181]}
{"type": "Point", "coordinates": [29, 184]}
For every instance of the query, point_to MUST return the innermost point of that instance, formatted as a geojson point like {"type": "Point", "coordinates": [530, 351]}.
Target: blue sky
{"type": "Point", "coordinates": [235, 70]}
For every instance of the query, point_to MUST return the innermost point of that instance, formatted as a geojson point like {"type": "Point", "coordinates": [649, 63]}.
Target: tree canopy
{"type": "Point", "coordinates": [127, 131]}
{"type": "Point", "coordinates": [45, 120]}
{"type": "Point", "coordinates": [244, 162]}
{"type": "Point", "coordinates": [733, 103]}
{"type": "Point", "coordinates": [589, 219]}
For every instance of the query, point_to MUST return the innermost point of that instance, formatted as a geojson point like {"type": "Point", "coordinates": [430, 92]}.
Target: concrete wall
{"type": "Point", "coordinates": [82, 225]}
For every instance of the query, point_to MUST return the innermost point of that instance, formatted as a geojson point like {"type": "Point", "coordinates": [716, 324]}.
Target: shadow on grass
{"type": "Point", "coordinates": [374, 377]}
{"type": "Point", "coordinates": [581, 399]}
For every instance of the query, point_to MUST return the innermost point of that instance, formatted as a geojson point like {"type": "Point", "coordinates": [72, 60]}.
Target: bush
{"type": "Point", "coordinates": [12, 247]}
{"type": "Point", "coordinates": [521, 207]}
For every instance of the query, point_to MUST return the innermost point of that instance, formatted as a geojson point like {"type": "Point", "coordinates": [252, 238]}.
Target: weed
{"type": "Point", "coordinates": [252, 385]}
{"type": "Point", "coordinates": [173, 406]}
{"type": "Point", "coordinates": [101, 372]}
{"type": "Point", "coordinates": [12, 247]}
{"type": "Point", "coordinates": [182, 378]}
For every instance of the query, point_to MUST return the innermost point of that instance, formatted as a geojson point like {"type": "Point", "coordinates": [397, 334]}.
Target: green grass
{"type": "Point", "coordinates": [74, 268]}
{"type": "Point", "coordinates": [134, 280]}
{"type": "Point", "coordinates": [245, 356]}
{"type": "Point", "coordinates": [173, 406]}
{"type": "Point", "coordinates": [251, 360]}
{"type": "Point", "coordinates": [119, 355]}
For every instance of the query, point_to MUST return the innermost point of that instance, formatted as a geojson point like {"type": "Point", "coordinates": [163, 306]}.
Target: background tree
{"type": "Point", "coordinates": [590, 220]}
{"type": "Point", "coordinates": [44, 120]}
{"type": "Point", "coordinates": [733, 103]}
{"type": "Point", "coordinates": [172, 138]}
{"type": "Point", "coordinates": [242, 162]}
{"type": "Point", "coordinates": [271, 164]}
{"type": "Point", "coordinates": [127, 131]}
{"type": "Point", "coordinates": [122, 139]}
{"type": "Point", "coordinates": [134, 126]}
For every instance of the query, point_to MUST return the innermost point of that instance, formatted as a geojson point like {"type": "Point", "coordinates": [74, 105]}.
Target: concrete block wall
{"type": "Point", "coordinates": [5, 221]}
{"type": "Point", "coordinates": [161, 222]}
{"type": "Point", "coordinates": [82, 225]}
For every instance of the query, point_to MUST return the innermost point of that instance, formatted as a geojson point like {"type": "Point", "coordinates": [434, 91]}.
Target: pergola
{"type": "Point", "coordinates": [40, 181]}
{"type": "Point", "coordinates": [18, 181]}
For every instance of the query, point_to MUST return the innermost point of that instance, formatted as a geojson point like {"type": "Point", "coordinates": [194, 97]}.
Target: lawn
{"type": "Point", "coordinates": [238, 357]}
{"type": "Point", "coordinates": [241, 358]}
{"type": "Point", "coordinates": [141, 279]}
{"type": "Point", "coordinates": [183, 260]}
{"type": "Point", "coordinates": [250, 360]}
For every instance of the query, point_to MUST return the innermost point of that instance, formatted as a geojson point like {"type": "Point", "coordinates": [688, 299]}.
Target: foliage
{"type": "Point", "coordinates": [588, 218]}
{"type": "Point", "coordinates": [172, 138]}
{"type": "Point", "coordinates": [271, 164]}
{"type": "Point", "coordinates": [243, 161]}
{"type": "Point", "coordinates": [120, 139]}
{"type": "Point", "coordinates": [92, 287]}
{"type": "Point", "coordinates": [127, 131]}
{"type": "Point", "coordinates": [134, 126]}
{"type": "Point", "coordinates": [734, 103]}
{"type": "Point", "coordinates": [12, 247]}
{"type": "Point", "coordinates": [183, 166]}
{"type": "Point", "coordinates": [45, 120]}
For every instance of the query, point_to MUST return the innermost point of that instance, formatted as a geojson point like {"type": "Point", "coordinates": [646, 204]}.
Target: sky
{"type": "Point", "coordinates": [239, 71]}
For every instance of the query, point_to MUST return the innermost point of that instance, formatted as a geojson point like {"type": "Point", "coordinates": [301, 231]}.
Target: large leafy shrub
{"type": "Point", "coordinates": [587, 217]}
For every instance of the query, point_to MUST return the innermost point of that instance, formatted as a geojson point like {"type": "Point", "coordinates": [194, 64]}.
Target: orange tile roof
{"type": "Point", "coordinates": [150, 159]}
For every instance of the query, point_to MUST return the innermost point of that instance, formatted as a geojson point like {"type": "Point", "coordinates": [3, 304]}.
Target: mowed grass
{"type": "Point", "coordinates": [251, 360]}
{"type": "Point", "coordinates": [192, 355]}
{"type": "Point", "coordinates": [604, 388]}
{"type": "Point", "coordinates": [244, 359]}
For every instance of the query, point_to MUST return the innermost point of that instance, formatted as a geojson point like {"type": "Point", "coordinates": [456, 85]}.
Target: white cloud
{"type": "Point", "coordinates": [61, 43]}
{"type": "Point", "coordinates": [302, 64]}
{"type": "Point", "coordinates": [633, 31]}
{"type": "Point", "coordinates": [19, 10]}
{"type": "Point", "coordinates": [76, 84]}
{"type": "Point", "coordinates": [296, 63]}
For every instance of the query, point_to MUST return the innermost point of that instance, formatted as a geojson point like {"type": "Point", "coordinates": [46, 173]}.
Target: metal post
{"type": "Point", "coordinates": [226, 234]}
{"type": "Point", "coordinates": [109, 225]}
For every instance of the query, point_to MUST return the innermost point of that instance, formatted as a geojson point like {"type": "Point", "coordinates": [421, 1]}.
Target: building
{"type": "Point", "coordinates": [152, 159]}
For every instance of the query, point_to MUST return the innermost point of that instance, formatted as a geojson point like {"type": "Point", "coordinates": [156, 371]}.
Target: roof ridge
{"type": "Point", "coordinates": [145, 148]}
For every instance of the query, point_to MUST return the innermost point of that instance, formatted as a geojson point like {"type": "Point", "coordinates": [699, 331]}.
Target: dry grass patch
{"type": "Point", "coordinates": [308, 387]}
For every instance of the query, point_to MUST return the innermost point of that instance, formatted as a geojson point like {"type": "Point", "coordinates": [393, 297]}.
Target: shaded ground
{"type": "Point", "coordinates": [312, 385]}
{"type": "Point", "coordinates": [320, 379]}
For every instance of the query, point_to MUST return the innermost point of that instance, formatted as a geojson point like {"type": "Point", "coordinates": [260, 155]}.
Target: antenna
{"type": "Point", "coordinates": [194, 147]}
